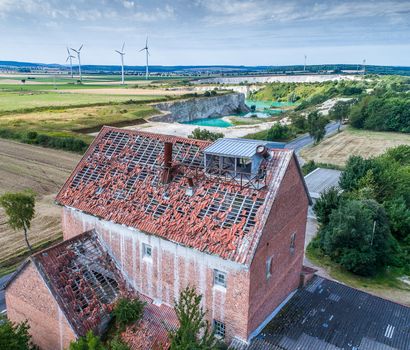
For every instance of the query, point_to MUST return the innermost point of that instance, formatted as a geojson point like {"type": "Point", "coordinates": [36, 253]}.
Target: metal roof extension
{"type": "Point", "coordinates": [239, 148]}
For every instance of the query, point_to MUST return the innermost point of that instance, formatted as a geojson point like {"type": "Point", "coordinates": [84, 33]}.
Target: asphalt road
{"type": "Point", "coordinates": [306, 140]}
{"type": "Point", "coordinates": [3, 280]}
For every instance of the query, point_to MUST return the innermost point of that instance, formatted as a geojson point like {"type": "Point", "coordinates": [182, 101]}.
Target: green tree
{"type": "Point", "coordinates": [203, 134]}
{"type": "Point", "coordinates": [128, 311]}
{"type": "Point", "coordinates": [193, 332]}
{"type": "Point", "coordinates": [356, 168]}
{"type": "Point", "coordinates": [328, 201]}
{"type": "Point", "coordinates": [19, 208]}
{"type": "Point", "coordinates": [358, 237]}
{"type": "Point", "coordinates": [279, 132]}
{"type": "Point", "coordinates": [340, 111]}
{"type": "Point", "coordinates": [14, 336]}
{"type": "Point", "coordinates": [316, 126]}
{"type": "Point", "coordinates": [399, 217]}
{"type": "Point", "coordinates": [89, 342]}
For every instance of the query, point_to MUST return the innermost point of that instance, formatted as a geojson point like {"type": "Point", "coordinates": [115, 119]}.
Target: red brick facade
{"type": "Point", "coordinates": [249, 297]}
{"type": "Point", "coordinates": [28, 298]}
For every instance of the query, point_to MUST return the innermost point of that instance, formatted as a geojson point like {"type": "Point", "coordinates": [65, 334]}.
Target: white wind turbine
{"type": "Point", "coordinates": [79, 60]}
{"type": "Point", "coordinates": [70, 58]}
{"type": "Point", "coordinates": [122, 53]}
{"type": "Point", "coordinates": [146, 56]}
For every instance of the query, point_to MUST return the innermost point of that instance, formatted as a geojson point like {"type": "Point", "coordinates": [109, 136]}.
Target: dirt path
{"type": "Point", "coordinates": [42, 170]}
{"type": "Point", "coordinates": [124, 91]}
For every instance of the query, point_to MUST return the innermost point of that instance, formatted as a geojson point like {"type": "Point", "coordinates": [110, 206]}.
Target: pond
{"type": "Point", "coordinates": [216, 122]}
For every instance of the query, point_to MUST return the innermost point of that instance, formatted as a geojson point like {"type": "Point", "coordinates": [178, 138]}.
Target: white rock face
{"type": "Point", "coordinates": [202, 107]}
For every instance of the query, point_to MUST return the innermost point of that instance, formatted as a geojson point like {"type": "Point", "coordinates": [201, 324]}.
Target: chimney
{"type": "Point", "coordinates": [166, 172]}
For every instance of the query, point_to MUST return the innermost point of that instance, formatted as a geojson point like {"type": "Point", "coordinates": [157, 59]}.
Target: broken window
{"type": "Point", "coordinates": [147, 250]}
{"type": "Point", "coordinates": [292, 242]}
{"type": "Point", "coordinates": [219, 329]}
{"type": "Point", "coordinates": [269, 267]}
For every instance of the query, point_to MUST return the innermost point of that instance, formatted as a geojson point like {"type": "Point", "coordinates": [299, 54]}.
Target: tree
{"type": "Point", "coordinates": [328, 201]}
{"type": "Point", "coordinates": [89, 342]}
{"type": "Point", "coordinates": [340, 111]}
{"type": "Point", "coordinates": [128, 311]}
{"type": "Point", "coordinates": [358, 237]}
{"type": "Point", "coordinates": [399, 217]}
{"type": "Point", "coordinates": [316, 126]}
{"type": "Point", "coordinates": [356, 168]}
{"type": "Point", "coordinates": [193, 332]}
{"type": "Point", "coordinates": [203, 134]}
{"type": "Point", "coordinates": [279, 132]}
{"type": "Point", "coordinates": [14, 336]}
{"type": "Point", "coordinates": [19, 208]}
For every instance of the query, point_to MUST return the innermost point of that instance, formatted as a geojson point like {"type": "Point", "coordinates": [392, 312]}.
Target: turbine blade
{"type": "Point", "coordinates": [123, 45]}
{"type": "Point", "coordinates": [68, 51]}
{"type": "Point", "coordinates": [80, 47]}
{"type": "Point", "coordinates": [74, 50]}
{"type": "Point", "coordinates": [146, 42]}
{"type": "Point", "coordinates": [118, 52]}
{"type": "Point", "coordinates": [67, 58]}
{"type": "Point", "coordinates": [142, 49]}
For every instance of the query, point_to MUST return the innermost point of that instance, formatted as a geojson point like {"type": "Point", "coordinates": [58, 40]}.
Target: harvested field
{"type": "Point", "coordinates": [130, 91]}
{"type": "Point", "coordinates": [42, 170]}
{"type": "Point", "coordinates": [337, 148]}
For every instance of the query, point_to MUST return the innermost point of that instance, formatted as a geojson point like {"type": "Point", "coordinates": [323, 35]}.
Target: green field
{"type": "Point", "coordinates": [15, 101]}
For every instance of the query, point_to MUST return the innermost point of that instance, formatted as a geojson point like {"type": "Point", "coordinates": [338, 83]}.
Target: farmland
{"type": "Point", "coordinates": [337, 148]}
{"type": "Point", "coordinates": [44, 171]}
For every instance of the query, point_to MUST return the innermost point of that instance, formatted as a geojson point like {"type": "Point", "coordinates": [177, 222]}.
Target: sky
{"type": "Point", "coordinates": [207, 32]}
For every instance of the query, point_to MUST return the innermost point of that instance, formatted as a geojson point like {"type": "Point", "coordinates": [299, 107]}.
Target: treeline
{"type": "Point", "coordinates": [389, 112]}
{"type": "Point", "coordinates": [365, 226]}
{"type": "Point", "coordinates": [66, 143]}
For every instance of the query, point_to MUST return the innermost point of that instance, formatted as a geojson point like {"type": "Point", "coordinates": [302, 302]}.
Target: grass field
{"type": "Point", "coordinates": [15, 101]}
{"type": "Point", "coordinates": [44, 171]}
{"type": "Point", "coordinates": [337, 148]}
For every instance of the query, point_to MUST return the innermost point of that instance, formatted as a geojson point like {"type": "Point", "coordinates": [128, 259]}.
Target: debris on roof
{"type": "Point", "coordinates": [120, 179]}
{"type": "Point", "coordinates": [83, 279]}
{"type": "Point", "coordinates": [328, 315]}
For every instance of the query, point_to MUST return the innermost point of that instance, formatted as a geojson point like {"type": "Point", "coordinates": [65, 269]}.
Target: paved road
{"type": "Point", "coordinates": [3, 280]}
{"type": "Point", "coordinates": [306, 140]}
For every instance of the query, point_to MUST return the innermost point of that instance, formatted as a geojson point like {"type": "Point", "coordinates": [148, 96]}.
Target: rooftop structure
{"type": "Point", "coordinates": [159, 184]}
{"type": "Point", "coordinates": [320, 180]}
{"type": "Point", "coordinates": [329, 315]}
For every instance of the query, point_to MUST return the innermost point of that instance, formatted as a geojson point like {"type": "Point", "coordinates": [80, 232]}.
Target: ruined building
{"type": "Point", "coordinates": [160, 213]}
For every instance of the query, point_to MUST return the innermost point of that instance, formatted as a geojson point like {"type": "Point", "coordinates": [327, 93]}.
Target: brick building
{"type": "Point", "coordinates": [227, 217]}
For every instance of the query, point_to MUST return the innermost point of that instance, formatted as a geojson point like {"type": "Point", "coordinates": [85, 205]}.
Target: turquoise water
{"type": "Point", "coordinates": [263, 110]}
{"type": "Point", "coordinates": [217, 122]}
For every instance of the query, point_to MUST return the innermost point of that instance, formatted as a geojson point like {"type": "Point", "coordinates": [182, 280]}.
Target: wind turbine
{"type": "Point", "coordinates": [79, 60]}
{"type": "Point", "coordinates": [122, 53]}
{"type": "Point", "coordinates": [70, 58]}
{"type": "Point", "coordinates": [146, 55]}
{"type": "Point", "coordinates": [364, 66]}
{"type": "Point", "coordinates": [304, 67]}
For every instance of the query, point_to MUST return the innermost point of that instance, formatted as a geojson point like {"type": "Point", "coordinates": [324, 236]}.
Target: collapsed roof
{"type": "Point", "coordinates": [125, 177]}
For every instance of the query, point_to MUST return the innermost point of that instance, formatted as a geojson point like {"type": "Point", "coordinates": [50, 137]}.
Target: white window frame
{"type": "Point", "coordinates": [219, 329]}
{"type": "Point", "coordinates": [217, 280]}
{"type": "Point", "coordinates": [146, 251]}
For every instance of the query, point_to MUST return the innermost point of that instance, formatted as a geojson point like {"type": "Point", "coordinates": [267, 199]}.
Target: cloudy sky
{"type": "Point", "coordinates": [193, 32]}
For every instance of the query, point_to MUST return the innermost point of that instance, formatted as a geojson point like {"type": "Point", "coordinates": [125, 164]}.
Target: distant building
{"type": "Point", "coordinates": [320, 180]}
{"type": "Point", "coordinates": [227, 217]}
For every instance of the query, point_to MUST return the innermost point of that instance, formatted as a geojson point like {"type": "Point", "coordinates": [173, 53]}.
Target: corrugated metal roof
{"type": "Point", "coordinates": [320, 180]}
{"type": "Point", "coordinates": [328, 315]}
{"type": "Point", "coordinates": [234, 147]}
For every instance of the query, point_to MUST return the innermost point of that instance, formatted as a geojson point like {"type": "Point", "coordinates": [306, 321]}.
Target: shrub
{"type": "Point", "coordinates": [279, 132]}
{"type": "Point", "coordinates": [328, 201]}
{"type": "Point", "coordinates": [14, 336]}
{"type": "Point", "coordinates": [118, 344]}
{"type": "Point", "coordinates": [203, 134]}
{"type": "Point", "coordinates": [207, 93]}
{"type": "Point", "coordinates": [128, 311]}
{"type": "Point", "coordinates": [89, 342]}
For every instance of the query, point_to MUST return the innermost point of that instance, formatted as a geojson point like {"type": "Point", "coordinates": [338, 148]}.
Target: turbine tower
{"type": "Point", "coordinates": [364, 66]}
{"type": "Point", "coordinates": [304, 66]}
{"type": "Point", "coordinates": [70, 58]}
{"type": "Point", "coordinates": [79, 60]}
{"type": "Point", "coordinates": [122, 53]}
{"type": "Point", "coordinates": [146, 57]}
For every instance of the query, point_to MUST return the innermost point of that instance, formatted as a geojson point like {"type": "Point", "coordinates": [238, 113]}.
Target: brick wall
{"type": "Point", "coordinates": [288, 215]}
{"type": "Point", "coordinates": [28, 298]}
{"type": "Point", "coordinates": [171, 268]}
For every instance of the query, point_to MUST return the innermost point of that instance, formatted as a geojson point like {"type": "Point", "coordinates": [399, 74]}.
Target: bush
{"type": "Point", "coordinates": [203, 134]}
{"type": "Point", "coordinates": [118, 344]}
{"type": "Point", "coordinates": [207, 93]}
{"type": "Point", "coordinates": [14, 336]}
{"type": "Point", "coordinates": [328, 201]}
{"type": "Point", "coordinates": [89, 342]}
{"type": "Point", "coordinates": [279, 132]}
{"type": "Point", "coordinates": [128, 311]}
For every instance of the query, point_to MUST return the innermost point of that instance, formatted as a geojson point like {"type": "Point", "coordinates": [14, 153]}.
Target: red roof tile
{"type": "Point", "coordinates": [118, 180]}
